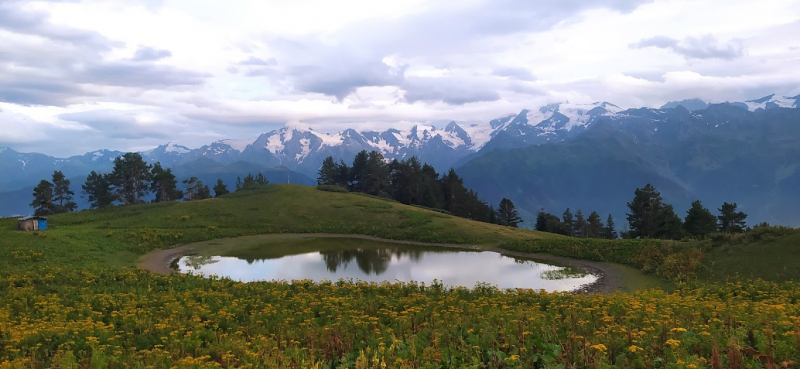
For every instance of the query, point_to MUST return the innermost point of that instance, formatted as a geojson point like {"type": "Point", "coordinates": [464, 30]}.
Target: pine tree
{"type": "Point", "coordinates": [62, 195]}
{"type": "Point", "coordinates": [130, 178]}
{"type": "Point", "coordinates": [595, 228]}
{"type": "Point", "coordinates": [581, 226]}
{"type": "Point", "coordinates": [669, 224]}
{"type": "Point", "coordinates": [203, 192]}
{"type": "Point", "coordinates": [644, 212]}
{"type": "Point", "coordinates": [328, 172]}
{"type": "Point", "coordinates": [541, 221]}
{"type": "Point", "coordinates": [163, 184]}
{"type": "Point", "coordinates": [220, 188]}
{"type": "Point", "coordinates": [358, 173]}
{"type": "Point", "coordinates": [610, 231]}
{"type": "Point", "coordinates": [238, 183]}
{"type": "Point", "coordinates": [507, 213]}
{"type": "Point", "coordinates": [377, 175]}
{"type": "Point", "coordinates": [43, 199]}
{"type": "Point", "coordinates": [569, 222]}
{"type": "Point", "coordinates": [730, 220]}
{"type": "Point", "coordinates": [99, 190]}
{"type": "Point", "coordinates": [699, 221]}
{"type": "Point", "coordinates": [261, 180]}
{"type": "Point", "coordinates": [192, 188]}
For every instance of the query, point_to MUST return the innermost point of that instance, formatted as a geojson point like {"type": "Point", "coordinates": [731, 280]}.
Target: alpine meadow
{"type": "Point", "coordinates": [399, 184]}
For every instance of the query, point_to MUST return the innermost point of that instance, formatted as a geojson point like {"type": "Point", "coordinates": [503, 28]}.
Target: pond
{"type": "Point", "coordinates": [333, 259]}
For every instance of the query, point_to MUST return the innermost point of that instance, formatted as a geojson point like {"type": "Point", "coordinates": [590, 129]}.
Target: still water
{"type": "Point", "coordinates": [378, 262]}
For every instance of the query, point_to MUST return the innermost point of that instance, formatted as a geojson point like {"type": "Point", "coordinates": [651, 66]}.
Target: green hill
{"type": "Point", "coordinates": [118, 234]}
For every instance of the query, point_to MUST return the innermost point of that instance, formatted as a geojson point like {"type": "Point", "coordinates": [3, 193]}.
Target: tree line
{"type": "Point", "coordinates": [576, 225]}
{"type": "Point", "coordinates": [414, 183]}
{"type": "Point", "coordinates": [649, 217]}
{"type": "Point", "coordinates": [129, 182]}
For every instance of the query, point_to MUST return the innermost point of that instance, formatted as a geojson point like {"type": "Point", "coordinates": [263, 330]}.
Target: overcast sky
{"type": "Point", "coordinates": [77, 76]}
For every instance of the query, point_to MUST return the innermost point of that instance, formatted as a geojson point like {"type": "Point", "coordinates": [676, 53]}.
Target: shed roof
{"type": "Point", "coordinates": [29, 217]}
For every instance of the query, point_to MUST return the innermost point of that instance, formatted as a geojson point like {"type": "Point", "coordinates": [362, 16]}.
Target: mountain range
{"type": "Point", "coordinates": [531, 157]}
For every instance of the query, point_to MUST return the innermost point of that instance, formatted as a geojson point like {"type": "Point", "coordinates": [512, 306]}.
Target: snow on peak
{"type": "Point", "coordinates": [296, 125]}
{"type": "Point", "coordinates": [772, 101]}
{"type": "Point", "coordinates": [3, 149]}
{"type": "Point", "coordinates": [97, 155]}
{"type": "Point", "coordinates": [329, 139]}
{"type": "Point", "coordinates": [238, 145]}
{"type": "Point", "coordinates": [178, 149]}
{"type": "Point", "coordinates": [579, 115]}
{"type": "Point", "coordinates": [305, 146]}
{"type": "Point", "coordinates": [274, 143]}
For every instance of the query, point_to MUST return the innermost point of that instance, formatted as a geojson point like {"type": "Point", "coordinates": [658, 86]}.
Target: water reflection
{"type": "Point", "coordinates": [198, 261]}
{"type": "Point", "coordinates": [369, 261]}
{"type": "Point", "coordinates": [452, 267]}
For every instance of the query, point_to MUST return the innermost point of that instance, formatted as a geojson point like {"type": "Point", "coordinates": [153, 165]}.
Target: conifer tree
{"type": "Point", "coordinates": [62, 195]}
{"type": "Point", "coordinates": [699, 221]}
{"type": "Point", "coordinates": [610, 230]}
{"type": "Point", "coordinates": [568, 222]}
{"type": "Point", "coordinates": [581, 226]}
{"type": "Point", "coordinates": [730, 220]}
{"type": "Point", "coordinates": [99, 190]}
{"type": "Point", "coordinates": [220, 188]}
{"type": "Point", "coordinates": [163, 184]}
{"type": "Point", "coordinates": [130, 178]}
{"type": "Point", "coordinates": [43, 199]}
{"type": "Point", "coordinates": [507, 213]}
{"type": "Point", "coordinates": [541, 221]}
{"type": "Point", "coordinates": [328, 172]}
{"type": "Point", "coordinates": [595, 226]}
{"type": "Point", "coordinates": [644, 212]}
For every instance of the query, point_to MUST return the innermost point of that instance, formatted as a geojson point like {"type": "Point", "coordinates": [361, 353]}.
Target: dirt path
{"type": "Point", "coordinates": [609, 279]}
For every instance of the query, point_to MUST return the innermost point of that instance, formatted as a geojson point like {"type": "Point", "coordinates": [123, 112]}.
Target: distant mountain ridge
{"type": "Point", "coordinates": [723, 153]}
{"type": "Point", "coordinates": [301, 149]}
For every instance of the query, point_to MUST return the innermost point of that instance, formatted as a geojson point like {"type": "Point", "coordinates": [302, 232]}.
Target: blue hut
{"type": "Point", "coordinates": [32, 223]}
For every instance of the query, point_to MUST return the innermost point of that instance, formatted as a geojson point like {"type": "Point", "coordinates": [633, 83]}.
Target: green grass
{"type": "Point", "coordinates": [71, 298]}
{"type": "Point", "coordinates": [772, 259]}
{"type": "Point", "coordinates": [118, 235]}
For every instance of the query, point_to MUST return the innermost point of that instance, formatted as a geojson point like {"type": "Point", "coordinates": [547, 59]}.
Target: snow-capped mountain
{"type": "Point", "coordinates": [303, 149]}
{"type": "Point", "coordinates": [767, 102]}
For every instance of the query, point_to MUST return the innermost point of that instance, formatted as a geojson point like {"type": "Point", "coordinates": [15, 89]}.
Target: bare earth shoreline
{"type": "Point", "coordinates": [609, 280]}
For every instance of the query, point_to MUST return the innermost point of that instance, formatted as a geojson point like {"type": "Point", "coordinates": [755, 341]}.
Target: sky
{"type": "Point", "coordinates": [82, 75]}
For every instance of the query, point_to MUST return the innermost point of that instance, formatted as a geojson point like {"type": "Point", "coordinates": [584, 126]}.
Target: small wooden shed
{"type": "Point", "coordinates": [32, 223]}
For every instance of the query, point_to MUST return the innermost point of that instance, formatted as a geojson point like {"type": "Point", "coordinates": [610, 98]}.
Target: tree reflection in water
{"type": "Point", "coordinates": [198, 261]}
{"type": "Point", "coordinates": [370, 261]}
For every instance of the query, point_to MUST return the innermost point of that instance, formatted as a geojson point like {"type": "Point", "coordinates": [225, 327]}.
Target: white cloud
{"type": "Point", "coordinates": [211, 70]}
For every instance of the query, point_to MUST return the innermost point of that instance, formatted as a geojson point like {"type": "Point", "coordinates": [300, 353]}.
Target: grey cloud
{"type": "Point", "coordinates": [119, 124]}
{"type": "Point", "coordinates": [706, 47]}
{"type": "Point", "coordinates": [15, 19]}
{"type": "Point", "coordinates": [257, 61]}
{"type": "Point", "coordinates": [138, 75]}
{"type": "Point", "coordinates": [39, 92]}
{"type": "Point", "coordinates": [447, 90]}
{"type": "Point", "coordinates": [59, 65]}
{"type": "Point", "coordinates": [355, 59]}
{"type": "Point", "coordinates": [513, 72]}
{"type": "Point", "coordinates": [256, 67]}
{"type": "Point", "coordinates": [150, 54]}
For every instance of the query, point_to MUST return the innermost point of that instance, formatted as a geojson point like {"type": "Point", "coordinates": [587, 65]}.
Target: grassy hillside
{"type": "Point", "coordinates": [69, 298]}
{"type": "Point", "coordinates": [774, 258]}
{"type": "Point", "coordinates": [119, 234]}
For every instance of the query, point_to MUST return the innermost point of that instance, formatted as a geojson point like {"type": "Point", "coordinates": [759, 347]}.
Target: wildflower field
{"type": "Point", "coordinates": [70, 297]}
